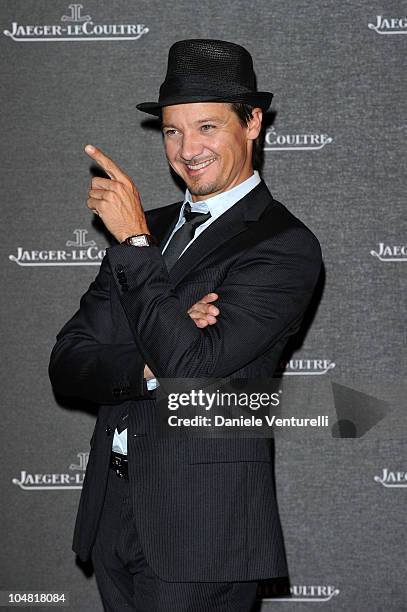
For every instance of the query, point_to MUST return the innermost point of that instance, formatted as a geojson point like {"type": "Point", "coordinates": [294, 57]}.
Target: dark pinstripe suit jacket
{"type": "Point", "coordinates": [205, 509]}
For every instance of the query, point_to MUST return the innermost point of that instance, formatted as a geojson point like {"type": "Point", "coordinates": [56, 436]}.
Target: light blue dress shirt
{"type": "Point", "coordinates": [216, 205]}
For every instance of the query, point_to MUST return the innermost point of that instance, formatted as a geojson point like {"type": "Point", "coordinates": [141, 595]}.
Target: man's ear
{"type": "Point", "coordinates": [254, 125]}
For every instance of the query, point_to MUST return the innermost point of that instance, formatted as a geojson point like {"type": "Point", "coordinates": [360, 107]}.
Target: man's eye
{"type": "Point", "coordinates": [169, 132]}
{"type": "Point", "coordinates": [207, 127]}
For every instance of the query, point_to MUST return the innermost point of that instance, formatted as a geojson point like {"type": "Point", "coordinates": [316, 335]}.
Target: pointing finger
{"type": "Point", "coordinates": [108, 165]}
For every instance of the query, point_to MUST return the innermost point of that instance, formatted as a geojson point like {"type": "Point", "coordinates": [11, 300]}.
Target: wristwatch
{"type": "Point", "coordinates": [139, 240]}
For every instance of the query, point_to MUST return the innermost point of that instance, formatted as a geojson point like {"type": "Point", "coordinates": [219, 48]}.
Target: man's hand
{"type": "Point", "coordinates": [116, 200]}
{"type": "Point", "coordinates": [203, 313]}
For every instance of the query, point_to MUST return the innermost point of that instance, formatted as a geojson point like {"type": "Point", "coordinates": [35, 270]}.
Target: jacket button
{"type": "Point", "coordinates": [119, 268]}
{"type": "Point", "coordinates": [108, 430]}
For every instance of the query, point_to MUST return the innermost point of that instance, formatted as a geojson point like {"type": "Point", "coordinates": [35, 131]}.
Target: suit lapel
{"type": "Point", "coordinates": [219, 232]}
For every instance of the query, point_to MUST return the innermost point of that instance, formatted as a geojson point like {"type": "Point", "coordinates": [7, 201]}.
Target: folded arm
{"type": "Point", "coordinates": [262, 299]}
{"type": "Point", "coordinates": [85, 362]}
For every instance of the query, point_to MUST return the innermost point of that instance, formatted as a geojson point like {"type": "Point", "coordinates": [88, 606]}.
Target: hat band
{"type": "Point", "coordinates": [198, 88]}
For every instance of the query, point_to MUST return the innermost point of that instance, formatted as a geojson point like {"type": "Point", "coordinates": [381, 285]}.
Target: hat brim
{"type": "Point", "coordinates": [257, 98]}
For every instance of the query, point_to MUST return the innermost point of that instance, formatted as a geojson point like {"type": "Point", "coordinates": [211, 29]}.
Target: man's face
{"type": "Point", "coordinates": [207, 146]}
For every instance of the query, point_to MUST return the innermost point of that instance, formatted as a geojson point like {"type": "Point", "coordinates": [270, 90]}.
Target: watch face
{"type": "Point", "coordinates": [139, 241]}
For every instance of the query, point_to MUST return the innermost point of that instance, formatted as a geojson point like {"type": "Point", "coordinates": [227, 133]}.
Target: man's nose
{"type": "Point", "coordinates": [191, 146]}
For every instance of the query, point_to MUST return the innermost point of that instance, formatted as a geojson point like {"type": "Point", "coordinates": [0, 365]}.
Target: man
{"type": "Point", "coordinates": [185, 524]}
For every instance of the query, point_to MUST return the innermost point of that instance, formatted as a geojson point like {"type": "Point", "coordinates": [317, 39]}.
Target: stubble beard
{"type": "Point", "coordinates": [204, 189]}
{"type": "Point", "coordinates": [200, 188]}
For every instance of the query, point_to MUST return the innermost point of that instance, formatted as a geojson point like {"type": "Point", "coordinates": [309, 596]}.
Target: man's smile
{"type": "Point", "coordinates": [194, 169]}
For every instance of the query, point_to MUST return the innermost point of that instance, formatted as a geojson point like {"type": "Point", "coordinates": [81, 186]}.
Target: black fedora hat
{"type": "Point", "coordinates": [206, 70]}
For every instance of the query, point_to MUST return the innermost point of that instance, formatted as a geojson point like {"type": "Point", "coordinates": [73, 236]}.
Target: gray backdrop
{"type": "Point", "coordinates": [334, 156]}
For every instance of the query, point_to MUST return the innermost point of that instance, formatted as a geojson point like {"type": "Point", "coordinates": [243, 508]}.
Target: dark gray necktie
{"type": "Point", "coordinates": [183, 235]}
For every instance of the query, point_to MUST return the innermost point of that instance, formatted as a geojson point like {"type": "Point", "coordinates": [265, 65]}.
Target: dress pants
{"type": "Point", "coordinates": [127, 583]}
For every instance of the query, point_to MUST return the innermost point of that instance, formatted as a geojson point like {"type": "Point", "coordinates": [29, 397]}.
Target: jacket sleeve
{"type": "Point", "coordinates": [263, 298]}
{"type": "Point", "coordinates": [85, 361]}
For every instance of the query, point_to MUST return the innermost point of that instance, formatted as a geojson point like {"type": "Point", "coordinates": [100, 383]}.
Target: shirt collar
{"type": "Point", "coordinates": [220, 203]}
